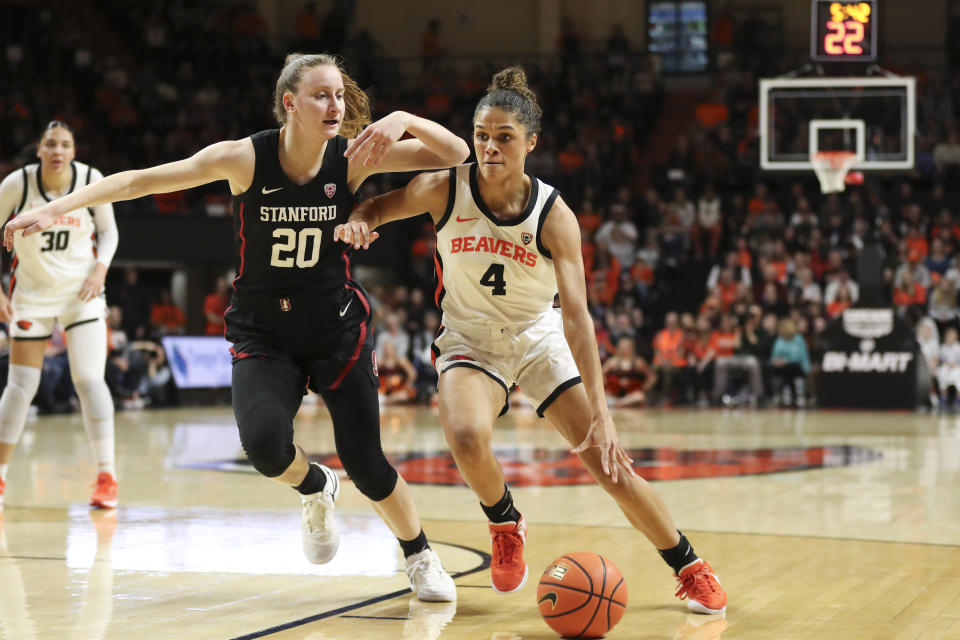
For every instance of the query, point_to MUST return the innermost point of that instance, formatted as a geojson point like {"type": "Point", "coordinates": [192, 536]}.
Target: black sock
{"type": "Point", "coordinates": [503, 511]}
{"type": "Point", "coordinates": [679, 556]}
{"type": "Point", "coordinates": [416, 545]}
{"type": "Point", "coordinates": [313, 482]}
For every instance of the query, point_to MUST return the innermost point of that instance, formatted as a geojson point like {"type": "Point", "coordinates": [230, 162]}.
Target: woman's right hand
{"type": "Point", "coordinates": [6, 309]}
{"type": "Point", "coordinates": [30, 222]}
{"type": "Point", "coordinates": [355, 232]}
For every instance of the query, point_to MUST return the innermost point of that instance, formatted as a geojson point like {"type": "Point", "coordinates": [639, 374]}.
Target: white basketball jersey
{"type": "Point", "coordinates": [489, 269]}
{"type": "Point", "coordinates": [52, 265]}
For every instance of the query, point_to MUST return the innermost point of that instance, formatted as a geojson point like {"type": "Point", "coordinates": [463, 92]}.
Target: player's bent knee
{"type": "Point", "coordinates": [267, 442]}
{"type": "Point", "coordinates": [468, 441]}
{"type": "Point", "coordinates": [375, 481]}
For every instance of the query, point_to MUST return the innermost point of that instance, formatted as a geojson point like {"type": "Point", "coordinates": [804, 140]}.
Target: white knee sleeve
{"type": "Point", "coordinates": [87, 351]}
{"type": "Point", "coordinates": [22, 384]}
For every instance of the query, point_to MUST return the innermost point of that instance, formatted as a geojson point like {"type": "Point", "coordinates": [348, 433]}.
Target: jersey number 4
{"type": "Point", "coordinates": [306, 246]}
{"type": "Point", "coordinates": [494, 278]}
{"type": "Point", "coordinates": [55, 240]}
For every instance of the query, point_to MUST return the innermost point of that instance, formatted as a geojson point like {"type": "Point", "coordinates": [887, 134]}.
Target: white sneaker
{"type": "Point", "coordinates": [428, 580]}
{"type": "Point", "coordinates": [318, 529]}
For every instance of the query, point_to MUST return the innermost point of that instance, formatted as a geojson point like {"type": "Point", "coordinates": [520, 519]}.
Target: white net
{"type": "Point", "coordinates": [832, 168]}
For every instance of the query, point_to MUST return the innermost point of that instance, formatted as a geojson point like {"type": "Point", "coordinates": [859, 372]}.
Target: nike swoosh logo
{"type": "Point", "coordinates": [344, 310]}
{"type": "Point", "coordinates": [552, 597]}
{"type": "Point", "coordinates": [266, 191]}
{"type": "Point", "coordinates": [459, 219]}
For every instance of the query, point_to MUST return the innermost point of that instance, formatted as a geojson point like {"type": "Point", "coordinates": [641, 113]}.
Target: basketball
{"type": "Point", "coordinates": [582, 595]}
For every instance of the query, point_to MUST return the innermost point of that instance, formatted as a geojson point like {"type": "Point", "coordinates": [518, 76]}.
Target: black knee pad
{"type": "Point", "coordinates": [375, 479]}
{"type": "Point", "coordinates": [267, 437]}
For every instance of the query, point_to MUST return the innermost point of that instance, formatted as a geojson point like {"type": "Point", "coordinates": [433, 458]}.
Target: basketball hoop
{"type": "Point", "coordinates": [832, 168]}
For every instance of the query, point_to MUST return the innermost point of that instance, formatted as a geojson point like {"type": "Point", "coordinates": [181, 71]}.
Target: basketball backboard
{"type": "Point", "coordinates": [875, 117]}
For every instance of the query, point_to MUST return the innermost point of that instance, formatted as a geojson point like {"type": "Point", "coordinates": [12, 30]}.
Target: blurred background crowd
{"type": "Point", "coordinates": [709, 281]}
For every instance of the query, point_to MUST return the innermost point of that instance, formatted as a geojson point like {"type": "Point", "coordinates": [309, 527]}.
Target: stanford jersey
{"type": "Point", "coordinates": [284, 231]}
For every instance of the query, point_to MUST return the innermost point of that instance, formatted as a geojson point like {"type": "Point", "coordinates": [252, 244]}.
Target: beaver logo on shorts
{"type": "Point", "coordinates": [24, 324]}
{"type": "Point", "coordinates": [285, 304]}
{"type": "Point", "coordinates": [526, 237]}
{"type": "Point", "coordinates": [330, 189]}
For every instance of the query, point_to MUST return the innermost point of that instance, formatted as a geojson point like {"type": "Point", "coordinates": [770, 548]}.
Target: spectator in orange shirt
{"type": "Point", "coordinates": [603, 275]}
{"type": "Point", "coordinates": [761, 202]}
{"type": "Point", "coordinates": [842, 301]}
{"type": "Point", "coordinates": [917, 242]}
{"type": "Point", "coordinates": [589, 218]}
{"type": "Point", "coordinates": [909, 292]}
{"type": "Point", "coordinates": [669, 356]}
{"type": "Point", "coordinates": [214, 306]}
{"type": "Point", "coordinates": [166, 317]}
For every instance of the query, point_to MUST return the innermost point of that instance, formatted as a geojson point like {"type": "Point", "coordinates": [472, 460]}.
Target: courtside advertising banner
{"type": "Point", "coordinates": [199, 362]}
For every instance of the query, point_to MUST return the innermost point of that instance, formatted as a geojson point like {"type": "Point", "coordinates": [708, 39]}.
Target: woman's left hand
{"type": "Point", "coordinates": [375, 141]}
{"type": "Point", "coordinates": [93, 285]}
{"type": "Point", "coordinates": [603, 435]}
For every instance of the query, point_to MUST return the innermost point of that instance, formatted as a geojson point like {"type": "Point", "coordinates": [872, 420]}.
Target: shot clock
{"type": "Point", "coordinates": [843, 31]}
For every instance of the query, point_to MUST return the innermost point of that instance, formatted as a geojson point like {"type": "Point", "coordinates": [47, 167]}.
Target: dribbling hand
{"type": "Point", "coordinates": [375, 141]}
{"type": "Point", "coordinates": [603, 435]}
{"type": "Point", "coordinates": [30, 222]}
{"type": "Point", "coordinates": [356, 233]}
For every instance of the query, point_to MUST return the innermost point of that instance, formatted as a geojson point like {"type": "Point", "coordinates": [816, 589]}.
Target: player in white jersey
{"type": "Point", "coordinates": [506, 243]}
{"type": "Point", "coordinates": [58, 275]}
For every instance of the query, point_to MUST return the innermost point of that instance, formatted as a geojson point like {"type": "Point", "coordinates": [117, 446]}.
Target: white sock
{"type": "Point", "coordinates": [3, 471]}
{"type": "Point", "coordinates": [103, 453]}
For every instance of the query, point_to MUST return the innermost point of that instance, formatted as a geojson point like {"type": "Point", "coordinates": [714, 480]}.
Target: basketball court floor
{"type": "Point", "coordinates": [820, 525]}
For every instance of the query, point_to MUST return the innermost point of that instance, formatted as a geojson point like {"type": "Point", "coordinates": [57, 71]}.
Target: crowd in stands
{"type": "Point", "coordinates": [709, 282]}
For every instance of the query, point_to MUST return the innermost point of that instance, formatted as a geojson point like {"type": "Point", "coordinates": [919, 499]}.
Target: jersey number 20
{"type": "Point", "coordinates": [305, 244]}
{"type": "Point", "coordinates": [494, 278]}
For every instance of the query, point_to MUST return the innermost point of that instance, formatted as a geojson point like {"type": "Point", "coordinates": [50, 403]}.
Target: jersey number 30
{"type": "Point", "coordinates": [55, 240]}
{"type": "Point", "coordinates": [305, 244]}
{"type": "Point", "coordinates": [494, 278]}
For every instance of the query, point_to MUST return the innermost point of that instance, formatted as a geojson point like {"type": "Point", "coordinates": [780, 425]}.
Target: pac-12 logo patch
{"type": "Point", "coordinates": [330, 189]}
{"type": "Point", "coordinates": [526, 237]}
{"type": "Point", "coordinates": [24, 324]}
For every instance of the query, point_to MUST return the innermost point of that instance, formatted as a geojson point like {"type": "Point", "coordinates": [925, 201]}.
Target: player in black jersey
{"type": "Point", "coordinates": [297, 318]}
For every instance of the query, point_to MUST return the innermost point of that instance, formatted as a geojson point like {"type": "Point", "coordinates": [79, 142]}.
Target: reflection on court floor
{"type": "Point", "coordinates": [823, 525]}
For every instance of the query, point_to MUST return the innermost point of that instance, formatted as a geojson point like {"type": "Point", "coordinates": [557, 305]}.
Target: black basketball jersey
{"type": "Point", "coordinates": [284, 231]}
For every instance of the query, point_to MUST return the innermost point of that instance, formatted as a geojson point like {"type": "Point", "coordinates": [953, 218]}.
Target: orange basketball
{"type": "Point", "coordinates": [582, 595]}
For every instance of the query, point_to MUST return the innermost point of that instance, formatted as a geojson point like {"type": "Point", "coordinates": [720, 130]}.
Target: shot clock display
{"type": "Point", "coordinates": [843, 31]}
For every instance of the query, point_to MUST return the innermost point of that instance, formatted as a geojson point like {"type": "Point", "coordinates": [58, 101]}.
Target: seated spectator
{"type": "Point", "coordinates": [55, 393]}
{"type": "Point", "coordinates": [732, 261]}
{"type": "Point", "coordinates": [619, 234]}
{"type": "Point", "coordinates": [214, 306]}
{"type": "Point", "coordinates": [167, 318]}
{"type": "Point", "coordinates": [734, 353]}
{"type": "Point", "coordinates": [790, 365]}
{"type": "Point", "coordinates": [701, 354]}
{"type": "Point", "coordinates": [909, 293]}
{"type": "Point", "coordinates": [394, 334]}
{"type": "Point", "coordinates": [841, 302]}
{"type": "Point", "coordinates": [946, 155]}
{"type": "Point", "coordinates": [841, 280]}
{"type": "Point", "coordinates": [938, 261]}
{"type": "Point", "coordinates": [628, 378]}
{"type": "Point", "coordinates": [943, 304]}
{"type": "Point", "coordinates": [669, 358]}
{"type": "Point", "coordinates": [421, 344]}
{"type": "Point", "coordinates": [603, 275]}
{"type": "Point", "coordinates": [930, 348]}
{"type": "Point", "coordinates": [156, 385]}
{"type": "Point", "coordinates": [589, 218]}
{"type": "Point", "coordinates": [708, 229]}
{"type": "Point", "coordinates": [806, 290]}
{"type": "Point", "coordinates": [948, 371]}
{"type": "Point", "coordinates": [398, 378]}
{"type": "Point", "coordinates": [915, 266]}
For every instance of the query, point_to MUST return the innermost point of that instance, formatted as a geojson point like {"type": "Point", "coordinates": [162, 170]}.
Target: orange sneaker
{"type": "Point", "coordinates": [508, 571]}
{"type": "Point", "coordinates": [104, 492]}
{"type": "Point", "coordinates": [699, 585]}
